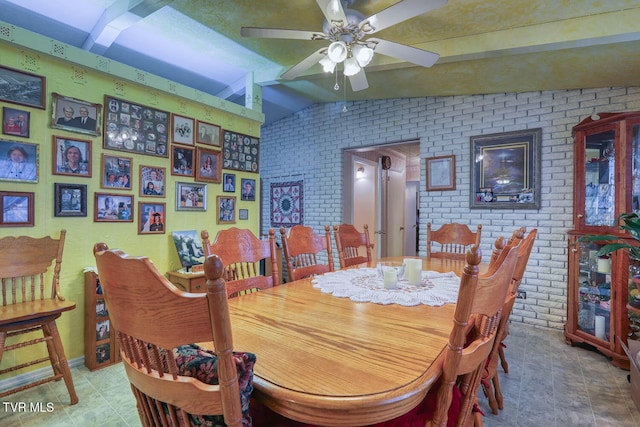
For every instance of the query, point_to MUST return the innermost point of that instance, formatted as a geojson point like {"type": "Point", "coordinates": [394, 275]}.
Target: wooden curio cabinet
{"type": "Point", "coordinates": [606, 184]}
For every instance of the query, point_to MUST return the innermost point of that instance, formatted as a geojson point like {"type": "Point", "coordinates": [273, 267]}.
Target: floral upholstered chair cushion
{"type": "Point", "coordinates": [202, 364]}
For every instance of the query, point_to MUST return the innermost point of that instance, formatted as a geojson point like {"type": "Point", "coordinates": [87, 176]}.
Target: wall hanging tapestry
{"type": "Point", "coordinates": [287, 204]}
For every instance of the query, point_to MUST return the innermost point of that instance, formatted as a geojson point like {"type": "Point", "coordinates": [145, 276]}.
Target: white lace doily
{"type": "Point", "coordinates": [364, 285]}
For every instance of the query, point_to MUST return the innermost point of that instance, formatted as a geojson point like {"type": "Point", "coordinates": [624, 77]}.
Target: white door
{"type": "Point", "coordinates": [392, 211]}
{"type": "Point", "coordinates": [411, 218]}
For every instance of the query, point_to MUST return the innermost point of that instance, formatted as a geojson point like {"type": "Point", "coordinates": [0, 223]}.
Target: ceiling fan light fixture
{"type": "Point", "coordinates": [333, 8]}
{"type": "Point", "coordinates": [363, 55]}
{"type": "Point", "coordinates": [337, 51]}
{"type": "Point", "coordinates": [351, 67]}
{"type": "Point", "coordinates": [327, 64]}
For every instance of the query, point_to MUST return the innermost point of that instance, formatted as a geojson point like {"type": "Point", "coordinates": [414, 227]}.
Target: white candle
{"type": "Point", "coordinates": [600, 327]}
{"type": "Point", "coordinates": [604, 265]}
{"type": "Point", "coordinates": [413, 271]}
{"type": "Point", "coordinates": [390, 278]}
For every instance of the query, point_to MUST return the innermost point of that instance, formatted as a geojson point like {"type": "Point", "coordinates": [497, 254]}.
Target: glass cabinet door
{"type": "Point", "coordinates": [599, 180]}
{"type": "Point", "coordinates": [594, 292]}
{"type": "Point", "coordinates": [635, 165]}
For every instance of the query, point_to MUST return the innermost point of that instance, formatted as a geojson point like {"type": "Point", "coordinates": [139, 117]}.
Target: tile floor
{"type": "Point", "coordinates": [549, 384]}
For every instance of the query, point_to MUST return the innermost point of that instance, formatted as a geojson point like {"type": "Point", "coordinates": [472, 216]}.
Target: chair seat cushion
{"type": "Point", "coordinates": [424, 412]}
{"type": "Point", "coordinates": [197, 362]}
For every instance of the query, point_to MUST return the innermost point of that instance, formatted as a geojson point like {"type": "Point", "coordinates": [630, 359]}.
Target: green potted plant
{"type": "Point", "coordinates": [631, 223]}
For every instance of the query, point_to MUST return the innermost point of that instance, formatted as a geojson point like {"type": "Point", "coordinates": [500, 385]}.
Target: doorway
{"type": "Point", "coordinates": [384, 197]}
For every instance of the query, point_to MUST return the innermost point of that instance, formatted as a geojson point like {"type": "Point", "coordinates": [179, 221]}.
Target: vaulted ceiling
{"type": "Point", "coordinates": [485, 46]}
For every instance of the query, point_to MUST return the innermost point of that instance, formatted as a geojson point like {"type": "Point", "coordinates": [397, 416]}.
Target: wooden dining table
{"type": "Point", "coordinates": [330, 361]}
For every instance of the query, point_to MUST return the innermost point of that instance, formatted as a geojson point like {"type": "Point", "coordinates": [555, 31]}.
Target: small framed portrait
{"type": "Point", "coordinates": [113, 208]}
{"type": "Point", "coordinates": [182, 129]}
{"type": "Point", "coordinates": [103, 330]}
{"type": "Point", "coordinates": [75, 115]}
{"type": "Point", "coordinates": [151, 218]}
{"type": "Point", "coordinates": [208, 133]}
{"type": "Point", "coordinates": [70, 199]}
{"type": "Point", "coordinates": [248, 189]}
{"type": "Point", "coordinates": [22, 88]}
{"type": "Point", "coordinates": [226, 207]}
{"type": "Point", "coordinates": [181, 161]}
{"type": "Point", "coordinates": [116, 172]}
{"type": "Point", "coordinates": [243, 214]}
{"type": "Point", "coordinates": [71, 157]}
{"type": "Point", "coordinates": [152, 181]}
{"type": "Point", "coordinates": [208, 165]}
{"type": "Point", "coordinates": [17, 209]}
{"type": "Point", "coordinates": [101, 308]}
{"type": "Point", "coordinates": [103, 353]}
{"type": "Point", "coordinates": [441, 173]}
{"type": "Point", "coordinates": [18, 161]}
{"type": "Point", "coordinates": [15, 122]}
{"type": "Point", "coordinates": [229, 180]}
{"type": "Point", "coordinates": [191, 196]}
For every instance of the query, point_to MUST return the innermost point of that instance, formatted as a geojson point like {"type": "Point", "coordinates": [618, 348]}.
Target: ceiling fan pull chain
{"type": "Point", "coordinates": [337, 86]}
{"type": "Point", "coordinates": [344, 93]}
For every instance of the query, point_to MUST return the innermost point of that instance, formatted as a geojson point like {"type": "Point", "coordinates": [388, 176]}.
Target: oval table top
{"type": "Point", "coordinates": [331, 361]}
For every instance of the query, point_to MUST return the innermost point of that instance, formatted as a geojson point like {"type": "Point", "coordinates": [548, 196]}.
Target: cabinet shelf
{"type": "Point", "coordinates": [100, 343]}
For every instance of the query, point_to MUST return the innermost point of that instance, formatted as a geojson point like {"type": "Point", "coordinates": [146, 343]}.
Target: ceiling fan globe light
{"type": "Point", "coordinates": [363, 55]}
{"type": "Point", "coordinates": [351, 67]}
{"type": "Point", "coordinates": [327, 65]}
{"type": "Point", "coordinates": [337, 51]}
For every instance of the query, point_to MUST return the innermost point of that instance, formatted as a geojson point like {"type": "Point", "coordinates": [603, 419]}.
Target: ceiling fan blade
{"type": "Point", "coordinates": [305, 64]}
{"type": "Point", "coordinates": [359, 81]}
{"type": "Point", "coordinates": [401, 11]}
{"type": "Point", "coordinates": [333, 13]}
{"type": "Point", "coordinates": [277, 33]}
{"type": "Point", "coordinates": [405, 53]}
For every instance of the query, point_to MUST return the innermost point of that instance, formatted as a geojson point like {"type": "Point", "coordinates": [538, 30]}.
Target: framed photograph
{"type": "Point", "coordinates": [226, 209]}
{"type": "Point", "coordinates": [113, 208]}
{"type": "Point", "coordinates": [248, 189]}
{"type": "Point", "coordinates": [229, 180]}
{"type": "Point", "coordinates": [19, 161]}
{"type": "Point", "coordinates": [17, 209]}
{"type": "Point", "coordinates": [152, 181]}
{"type": "Point", "coordinates": [135, 128]}
{"type": "Point", "coordinates": [101, 308]}
{"type": "Point", "coordinates": [116, 172]}
{"type": "Point", "coordinates": [505, 170]}
{"type": "Point", "coordinates": [191, 196]}
{"type": "Point", "coordinates": [70, 199]}
{"type": "Point", "coordinates": [71, 157]}
{"type": "Point", "coordinates": [189, 248]}
{"type": "Point", "coordinates": [19, 87]}
{"type": "Point", "coordinates": [15, 122]}
{"type": "Point", "coordinates": [208, 165]}
{"type": "Point", "coordinates": [243, 214]}
{"type": "Point", "coordinates": [241, 152]}
{"type": "Point", "coordinates": [208, 133]}
{"type": "Point", "coordinates": [75, 115]}
{"type": "Point", "coordinates": [152, 218]}
{"type": "Point", "coordinates": [441, 173]}
{"type": "Point", "coordinates": [103, 330]}
{"type": "Point", "coordinates": [181, 161]}
{"type": "Point", "coordinates": [103, 353]}
{"type": "Point", "coordinates": [182, 129]}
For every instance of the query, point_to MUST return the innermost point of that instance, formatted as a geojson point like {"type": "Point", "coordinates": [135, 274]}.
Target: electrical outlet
{"type": "Point", "coordinates": [522, 295]}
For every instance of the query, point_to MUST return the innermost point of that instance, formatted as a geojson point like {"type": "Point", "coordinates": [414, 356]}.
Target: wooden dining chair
{"type": "Point", "coordinates": [490, 379]}
{"type": "Point", "coordinates": [31, 303]}
{"type": "Point", "coordinates": [476, 318]}
{"type": "Point", "coordinates": [451, 240]}
{"type": "Point", "coordinates": [301, 249]}
{"type": "Point", "coordinates": [353, 246]}
{"type": "Point", "coordinates": [241, 252]}
{"type": "Point", "coordinates": [175, 382]}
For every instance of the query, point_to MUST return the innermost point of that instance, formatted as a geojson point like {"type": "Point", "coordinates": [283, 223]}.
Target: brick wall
{"type": "Point", "coordinates": [308, 146]}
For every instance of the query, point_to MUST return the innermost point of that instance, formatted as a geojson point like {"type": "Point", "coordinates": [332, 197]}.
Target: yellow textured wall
{"type": "Point", "coordinates": [73, 80]}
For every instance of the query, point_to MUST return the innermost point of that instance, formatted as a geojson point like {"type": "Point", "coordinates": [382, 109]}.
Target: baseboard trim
{"type": "Point", "coordinates": [36, 375]}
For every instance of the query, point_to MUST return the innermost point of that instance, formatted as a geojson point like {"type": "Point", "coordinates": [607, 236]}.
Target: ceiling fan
{"type": "Point", "coordinates": [348, 32]}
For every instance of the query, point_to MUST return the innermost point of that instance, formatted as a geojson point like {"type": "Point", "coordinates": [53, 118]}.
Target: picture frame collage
{"type": "Point", "coordinates": [194, 147]}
